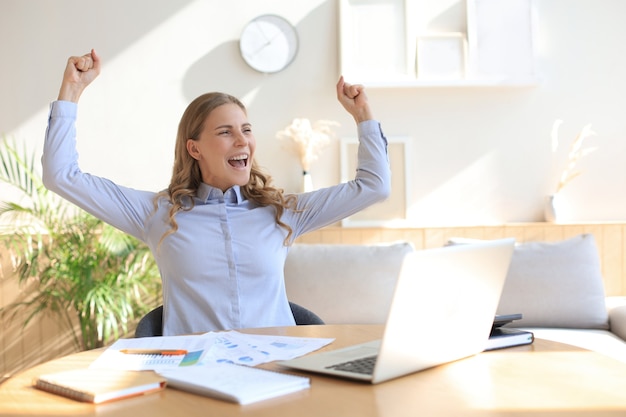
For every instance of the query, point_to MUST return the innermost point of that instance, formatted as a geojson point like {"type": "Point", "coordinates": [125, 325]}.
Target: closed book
{"type": "Point", "coordinates": [100, 385]}
{"type": "Point", "coordinates": [502, 337]}
{"type": "Point", "coordinates": [234, 383]}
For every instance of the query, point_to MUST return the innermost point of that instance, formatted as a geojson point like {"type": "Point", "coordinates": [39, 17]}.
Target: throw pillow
{"type": "Point", "coordinates": [556, 284]}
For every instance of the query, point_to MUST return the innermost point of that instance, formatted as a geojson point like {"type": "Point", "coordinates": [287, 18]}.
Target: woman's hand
{"type": "Point", "coordinates": [79, 73]}
{"type": "Point", "coordinates": [354, 100]}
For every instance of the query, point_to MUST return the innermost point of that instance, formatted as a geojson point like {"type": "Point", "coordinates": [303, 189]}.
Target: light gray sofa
{"type": "Point", "coordinates": [557, 286]}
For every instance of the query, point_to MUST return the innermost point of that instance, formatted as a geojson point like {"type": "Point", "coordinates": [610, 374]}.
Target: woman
{"type": "Point", "coordinates": [220, 232]}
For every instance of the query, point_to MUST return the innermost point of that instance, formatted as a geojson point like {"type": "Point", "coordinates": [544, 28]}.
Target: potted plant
{"type": "Point", "coordinates": [72, 264]}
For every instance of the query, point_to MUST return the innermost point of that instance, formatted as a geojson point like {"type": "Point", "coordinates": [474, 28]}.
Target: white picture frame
{"type": "Point", "coordinates": [366, 53]}
{"type": "Point", "coordinates": [501, 38]}
{"type": "Point", "coordinates": [441, 56]}
{"type": "Point", "coordinates": [393, 211]}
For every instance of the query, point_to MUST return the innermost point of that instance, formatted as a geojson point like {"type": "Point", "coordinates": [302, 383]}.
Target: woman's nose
{"type": "Point", "coordinates": [241, 139]}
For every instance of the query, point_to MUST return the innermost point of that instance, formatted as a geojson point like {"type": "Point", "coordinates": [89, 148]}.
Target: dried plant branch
{"type": "Point", "coordinates": [307, 141]}
{"type": "Point", "coordinates": [576, 153]}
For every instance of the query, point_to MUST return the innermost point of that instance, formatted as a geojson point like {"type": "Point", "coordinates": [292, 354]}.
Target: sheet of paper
{"type": "Point", "coordinates": [196, 347]}
{"type": "Point", "coordinates": [254, 349]}
{"type": "Point", "coordinates": [207, 349]}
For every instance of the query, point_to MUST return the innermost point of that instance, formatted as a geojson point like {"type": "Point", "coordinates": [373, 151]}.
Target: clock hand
{"type": "Point", "coordinates": [265, 45]}
{"type": "Point", "coordinates": [260, 27]}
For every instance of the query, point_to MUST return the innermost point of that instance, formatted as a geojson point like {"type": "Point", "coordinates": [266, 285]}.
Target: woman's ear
{"type": "Point", "coordinates": [192, 148]}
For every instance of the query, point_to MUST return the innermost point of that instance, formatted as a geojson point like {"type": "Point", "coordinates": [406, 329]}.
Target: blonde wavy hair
{"type": "Point", "coordinates": [186, 175]}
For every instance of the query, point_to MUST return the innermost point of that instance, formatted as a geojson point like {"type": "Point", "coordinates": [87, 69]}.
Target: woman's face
{"type": "Point", "coordinates": [225, 148]}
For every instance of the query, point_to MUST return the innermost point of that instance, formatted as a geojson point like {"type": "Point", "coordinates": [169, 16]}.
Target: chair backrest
{"type": "Point", "coordinates": [152, 323]}
{"type": "Point", "coordinates": [304, 316]}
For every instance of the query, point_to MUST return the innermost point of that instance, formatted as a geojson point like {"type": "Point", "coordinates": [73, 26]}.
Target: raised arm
{"type": "Point", "coordinates": [372, 181]}
{"type": "Point", "coordinates": [119, 206]}
{"type": "Point", "coordinates": [352, 97]}
{"type": "Point", "coordinates": [80, 71]}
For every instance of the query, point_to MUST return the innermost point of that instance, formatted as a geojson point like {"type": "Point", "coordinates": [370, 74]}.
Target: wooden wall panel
{"type": "Point", "coordinates": [611, 249]}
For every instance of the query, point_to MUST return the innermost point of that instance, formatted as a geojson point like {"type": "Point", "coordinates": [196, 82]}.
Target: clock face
{"type": "Point", "coordinates": [269, 43]}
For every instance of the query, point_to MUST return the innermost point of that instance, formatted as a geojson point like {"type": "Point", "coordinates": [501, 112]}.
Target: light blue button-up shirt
{"type": "Point", "coordinates": [223, 268]}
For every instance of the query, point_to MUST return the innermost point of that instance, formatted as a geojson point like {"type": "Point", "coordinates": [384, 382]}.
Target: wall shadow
{"type": "Point", "coordinates": [34, 31]}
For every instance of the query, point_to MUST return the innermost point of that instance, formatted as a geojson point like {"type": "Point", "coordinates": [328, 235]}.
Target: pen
{"type": "Point", "coordinates": [171, 352]}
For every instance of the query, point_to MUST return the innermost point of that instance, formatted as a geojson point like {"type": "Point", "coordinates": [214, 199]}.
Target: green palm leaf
{"type": "Point", "coordinates": [71, 263]}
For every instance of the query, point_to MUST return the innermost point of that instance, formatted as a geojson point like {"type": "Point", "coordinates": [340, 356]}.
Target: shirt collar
{"type": "Point", "coordinates": [208, 194]}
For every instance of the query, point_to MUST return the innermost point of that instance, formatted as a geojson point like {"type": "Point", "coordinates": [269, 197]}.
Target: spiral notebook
{"type": "Point", "coordinates": [235, 383]}
{"type": "Point", "coordinates": [100, 385]}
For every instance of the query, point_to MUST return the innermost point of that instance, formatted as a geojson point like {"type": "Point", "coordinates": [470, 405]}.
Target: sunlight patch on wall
{"type": "Point", "coordinates": [249, 97]}
{"type": "Point", "coordinates": [466, 198]}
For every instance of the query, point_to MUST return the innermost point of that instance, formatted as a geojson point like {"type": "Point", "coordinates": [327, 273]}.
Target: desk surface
{"type": "Point", "coordinates": [545, 378]}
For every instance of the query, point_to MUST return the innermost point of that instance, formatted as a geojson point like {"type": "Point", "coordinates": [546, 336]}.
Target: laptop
{"type": "Point", "coordinates": [442, 310]}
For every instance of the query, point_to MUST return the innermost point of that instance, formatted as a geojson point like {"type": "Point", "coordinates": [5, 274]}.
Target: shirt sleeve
{"type": "Point", "coordinates": [124, 208]}
{"type": "Point", "coordinates": [371, 184]}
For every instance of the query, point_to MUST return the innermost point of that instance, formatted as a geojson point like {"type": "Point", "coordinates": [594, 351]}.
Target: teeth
{"type": "Point", "coordinates": [239, 157]}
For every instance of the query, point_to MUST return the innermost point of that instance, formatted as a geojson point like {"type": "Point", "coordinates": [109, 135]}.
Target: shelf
{"type": "Point", "coordinates": [469, 83]}
{"type": "Point", "coordinates": [392, 43]}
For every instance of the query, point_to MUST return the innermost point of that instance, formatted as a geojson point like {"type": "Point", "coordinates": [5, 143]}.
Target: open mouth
{"type": "Point", "coordinates": [239, 161]}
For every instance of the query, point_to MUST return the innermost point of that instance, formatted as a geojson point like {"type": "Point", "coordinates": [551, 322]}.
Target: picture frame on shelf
{"type": "Point", "coordinates": [501, 35]}
{"type": "Point", "coordinates": [441, 56]}
{"type": "Point", "coordinates": [393, 211]}
{"type": "Point", "coordinates": [365, 53]}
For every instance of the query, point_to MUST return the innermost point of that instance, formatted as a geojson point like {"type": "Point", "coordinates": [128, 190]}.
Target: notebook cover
{"type": "Point", "coordinates": [502, 337]}
{"type": "Point", "coordinates": [100, 385]}
{"type": "Point", "coordinates": [235, 383]}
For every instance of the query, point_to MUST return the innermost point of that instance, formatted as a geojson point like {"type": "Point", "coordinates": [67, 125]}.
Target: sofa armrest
{"type": "Point", "coordinates": [617, 315]}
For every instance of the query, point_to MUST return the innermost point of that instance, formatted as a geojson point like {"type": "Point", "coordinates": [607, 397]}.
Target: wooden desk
{"type": "Point", "coordinates": [546, 378]}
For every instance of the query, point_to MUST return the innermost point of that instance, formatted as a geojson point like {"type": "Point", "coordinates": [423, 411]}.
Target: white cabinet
{"type": "Point", "coordinates": [423, 43]}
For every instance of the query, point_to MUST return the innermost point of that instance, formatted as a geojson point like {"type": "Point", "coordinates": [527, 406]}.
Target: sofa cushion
{"type": "Point", "coordinates": [555, 284]}
{"type": "Point", "coordinates": [344, 283]}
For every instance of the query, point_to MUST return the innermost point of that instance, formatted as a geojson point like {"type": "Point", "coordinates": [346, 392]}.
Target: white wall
{"type": "Point", "coordinates": [479, 155]}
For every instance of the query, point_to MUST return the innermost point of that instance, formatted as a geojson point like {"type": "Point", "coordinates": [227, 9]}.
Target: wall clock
{"type": "Point", "coordinates": [269, 43]}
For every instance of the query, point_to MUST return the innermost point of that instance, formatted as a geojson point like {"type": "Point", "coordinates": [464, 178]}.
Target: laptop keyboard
{"type": "Point", "coordinates": [358, 366]}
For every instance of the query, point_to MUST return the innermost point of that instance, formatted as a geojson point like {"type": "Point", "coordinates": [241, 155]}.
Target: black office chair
{"type": "Point", "coordinates": [152, 323]}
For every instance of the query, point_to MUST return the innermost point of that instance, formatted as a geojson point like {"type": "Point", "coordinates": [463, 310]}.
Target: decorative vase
{"type": "Point", "coordinates": [307, 182]}
{"type": "Point", "coordinates": [550, 209]}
